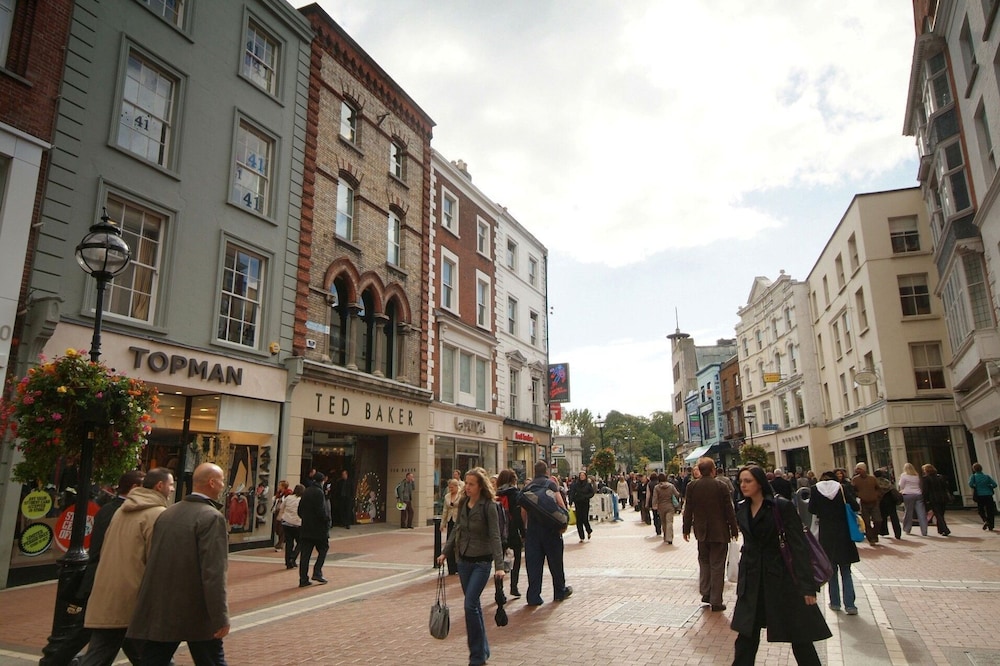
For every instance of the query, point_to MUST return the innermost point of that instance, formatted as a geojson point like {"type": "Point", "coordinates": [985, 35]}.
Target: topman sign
{"type": "Point", "coordinates": [185, 365]}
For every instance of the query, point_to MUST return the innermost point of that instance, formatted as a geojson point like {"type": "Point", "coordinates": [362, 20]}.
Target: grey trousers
{"type": "Point", "coordinates": [712, 570]}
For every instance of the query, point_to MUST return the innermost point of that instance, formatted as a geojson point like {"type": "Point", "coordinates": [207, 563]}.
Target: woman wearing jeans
{"type": "Point", "coordinates": [827, 502]}
{"type": "Point", "coordinates": [476, 542]}
{"type": "Point", "coordinates": [913, 499]}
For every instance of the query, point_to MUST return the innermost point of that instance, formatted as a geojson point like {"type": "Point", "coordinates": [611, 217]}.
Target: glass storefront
{"type": "Point", "coordinates": [461, 454]}
{"type": "Point", "coordinates": [365, 459]}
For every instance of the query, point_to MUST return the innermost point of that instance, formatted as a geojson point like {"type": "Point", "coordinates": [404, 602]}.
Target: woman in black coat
{"type": "Point", "coordinates": [580, 494]}
{"type": "Point", "coordinates": [827, 503]}
{"type": "Point", "coordinates": [766, 593]}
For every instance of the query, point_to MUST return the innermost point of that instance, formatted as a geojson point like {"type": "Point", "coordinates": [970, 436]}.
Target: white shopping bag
{"type": "Point", "coordinates": [733, 565]}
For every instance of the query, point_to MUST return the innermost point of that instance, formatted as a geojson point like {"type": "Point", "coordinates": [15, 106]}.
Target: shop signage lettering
{"type": "Point", "coordinates": [523, 436]}
{"type": "Point", "coordinates": [470, 425]}
{"type": "Point", "coordinates": [376, 413]}
{"type": "Point", "coordinates": [175, 363]}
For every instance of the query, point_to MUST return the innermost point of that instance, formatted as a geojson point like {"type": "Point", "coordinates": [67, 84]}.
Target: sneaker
{"type": "Point", "coordinates": [835, 607]}
{"type": "Point", "coordinates": [852, 610]}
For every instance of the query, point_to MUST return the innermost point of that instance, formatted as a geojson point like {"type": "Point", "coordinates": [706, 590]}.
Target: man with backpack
{"type": "Point", "coordinates": [542, 506]}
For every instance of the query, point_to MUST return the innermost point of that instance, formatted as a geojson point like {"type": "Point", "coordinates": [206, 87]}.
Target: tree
{"type": "Point", "coordinates": [562, 466]}
{"type": "Point", "coordinates": [752, 453]}
{"type": "Point", "coordinates": [642, 464]}
{"type": "Point", "coordinates": [603, 463]}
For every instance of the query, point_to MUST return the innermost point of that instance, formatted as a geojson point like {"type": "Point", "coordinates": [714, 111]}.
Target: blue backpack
{"type": "Point", "coordinates": [540, 503]}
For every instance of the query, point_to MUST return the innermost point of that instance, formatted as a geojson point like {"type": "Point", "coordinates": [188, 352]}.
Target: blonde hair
{"type": "Point", "coordinates": [908, 468]}
{"type": "Point", "coordinates": [454, 483]}
{"type": "Point", "coordinates": [485, 485]}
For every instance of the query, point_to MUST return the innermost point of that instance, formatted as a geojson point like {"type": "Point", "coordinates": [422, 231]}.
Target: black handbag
{"type": "Point", "coordinates": [822, 570]}
{"type": "Point", "coordinates": [440, 622]}
{"type": "Point", "coordinates": [501, 599]}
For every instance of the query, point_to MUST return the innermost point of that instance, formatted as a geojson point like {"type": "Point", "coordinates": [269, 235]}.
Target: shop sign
{"type": "Point", "coordinates": [370, 412]}
{"type": "Point", "coordinates": [470, 425]}
{"type": "Point", "coordinates": [524, 437]}
{"type": "Point", "coordinates": [64, 526]}
{"type": "Point", "coordinates": [35, 539]}
{"type": "Point", "coordinates": [157, 362]}
{"type": "Point", "coordinates": [36, 504]}
{"type": "Point", "coordinates": [558, 450]}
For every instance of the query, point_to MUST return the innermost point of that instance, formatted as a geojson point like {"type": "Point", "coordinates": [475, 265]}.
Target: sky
{"type": "Point", "coordinates": [665, 153]}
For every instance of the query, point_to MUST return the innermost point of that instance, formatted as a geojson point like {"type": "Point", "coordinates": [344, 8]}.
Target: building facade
{"type": "Point", "coordinates": [686, 359]}
{"type": "Point", "coordinates": [781, 398]}
{"type": "Point", "coordinates": [357, 389]}
{"type": "Point", "coordinates": [178, 125]}
{"type": "Point", "coordinates": [522, 344]}
{"type": "Point", "coordinates": [733, 424]}
{"type": "Point", "coordinates": [464, 427]}
{"type": "Point", "coordinates": [881, 342]}
{"type": "Point", "coordinates": [953, 111]}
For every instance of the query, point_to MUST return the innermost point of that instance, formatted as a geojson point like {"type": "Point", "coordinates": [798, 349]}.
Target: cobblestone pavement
{"type": "Point", "coordinates": [922, 600]}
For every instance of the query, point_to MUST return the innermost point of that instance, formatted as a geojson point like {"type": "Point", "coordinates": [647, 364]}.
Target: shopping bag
{"type": "Point", "coordinates": [440, 622]}
{"type": "Point", "coordinates": [733, 565]}
{"type": "Point", "coordinates": [855, 524]}
{"type": "Point", "coordinates": [572, 517]}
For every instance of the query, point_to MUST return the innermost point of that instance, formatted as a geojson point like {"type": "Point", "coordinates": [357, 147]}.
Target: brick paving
{"type": "Point", "coordinates": [922, 600]}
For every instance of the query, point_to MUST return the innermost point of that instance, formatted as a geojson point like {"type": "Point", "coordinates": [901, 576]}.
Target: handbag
{"type": "Point", "coordinates": [440, 622]}
{"type": "Point", "coordinates": [675, 501]}
{"type": "Point", "coordinates": [855, 523]}
{"type": "Point", "coordinates": [822, 570]}
{"type": "Point", "coordinates": [501, 615]}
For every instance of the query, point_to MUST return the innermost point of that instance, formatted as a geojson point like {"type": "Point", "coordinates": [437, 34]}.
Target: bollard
{"type": "Point", "coordinates": [437, 540]}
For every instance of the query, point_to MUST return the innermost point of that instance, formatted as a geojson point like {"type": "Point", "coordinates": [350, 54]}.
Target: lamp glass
{"type": "Point", "coordinates": [103, 252]}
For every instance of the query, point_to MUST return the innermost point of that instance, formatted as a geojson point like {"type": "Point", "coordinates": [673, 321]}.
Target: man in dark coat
{"type": "Point", "coordinates": [183, 592]}
{"type": "Point", "coordinates": [315, 531]}
{"type": "Point", "coordinates": [344, 500]}
{"type": "Point", "coordinates": [781, 485]}
{"type": "Point", "coordinates": [708, 509]}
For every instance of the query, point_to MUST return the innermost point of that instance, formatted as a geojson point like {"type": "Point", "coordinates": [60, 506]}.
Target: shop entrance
{"type": "Point", "coordinates": [365, 458]}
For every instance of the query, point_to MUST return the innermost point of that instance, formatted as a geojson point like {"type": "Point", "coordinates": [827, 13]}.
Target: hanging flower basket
{"type": "Point", "coordinates": [60, 402]}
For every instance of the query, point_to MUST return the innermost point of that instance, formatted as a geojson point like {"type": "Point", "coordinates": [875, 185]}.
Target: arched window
{"type": "Point", "coordinates": [337, 300]}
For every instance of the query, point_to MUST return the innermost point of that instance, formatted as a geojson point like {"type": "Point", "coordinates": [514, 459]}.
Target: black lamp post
{"type": "Point", "coordinates": [750, 418]}
{"type": "Point", "coordinates": [600, 427]}
{"type": "Point", "coordinates": [103, 254]}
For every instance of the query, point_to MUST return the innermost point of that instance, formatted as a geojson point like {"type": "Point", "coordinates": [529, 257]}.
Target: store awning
{"type": "Point", "coordinates": [697, 453]}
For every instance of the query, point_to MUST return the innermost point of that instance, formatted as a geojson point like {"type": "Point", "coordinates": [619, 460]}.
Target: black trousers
{"type": "Point", "coordinates": [656, 521]}
{"type": "Point", "coordinates": [583, 519]}
{"type": "Point", "coordinates": [291, 544]}
{"type": "Point", "coordinates": [987, 510]}
{"type": "Point", "coordinates": [746, 651]}
{"type": "Point", "coordinates": [306, 549]}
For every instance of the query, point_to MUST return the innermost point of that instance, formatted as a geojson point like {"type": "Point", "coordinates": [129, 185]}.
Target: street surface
{"type": "Point", "coordinates": [922, 600]}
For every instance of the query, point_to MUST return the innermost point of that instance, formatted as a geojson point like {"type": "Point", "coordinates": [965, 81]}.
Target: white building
{"type": "Point", "coordinates": [881, 342]}
{"type": "Point", "coordinates": [779, 375]}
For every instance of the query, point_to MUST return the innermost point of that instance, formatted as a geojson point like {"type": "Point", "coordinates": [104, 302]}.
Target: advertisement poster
{"type": "Point", "coordinates": [559, 382]}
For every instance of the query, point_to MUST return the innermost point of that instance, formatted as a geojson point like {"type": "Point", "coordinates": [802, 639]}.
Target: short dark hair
{"type": "Point", "coordinates": [155, 476]}
{"type": "Point", "coordinates": [541, 468]}
{"type": "Point", "coordinates": [976, 467]}
{"type": "Point", "coordinates": [130, 480]}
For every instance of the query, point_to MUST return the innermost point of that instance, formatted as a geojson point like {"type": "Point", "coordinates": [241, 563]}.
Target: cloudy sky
{"type": "Point", "coordinates": [665, 152]}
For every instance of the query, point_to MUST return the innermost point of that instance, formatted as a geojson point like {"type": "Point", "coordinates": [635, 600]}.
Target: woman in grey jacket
{"type": "Point", "coordinates": [476, 542]}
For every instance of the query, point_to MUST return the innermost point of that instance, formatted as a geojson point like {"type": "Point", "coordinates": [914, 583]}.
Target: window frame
{"type": "Point", "coordinates": [512, 315]}
{"type": "Point", "coordinates": [171, 122]}
{"type": "Point", "coordinates": [449, 289]}
{"type": "Point", "coordinates": [533, 328]}
{"type": "Point", "coordinates": [397, 159]}
{"type": "Point", "coordinates": [484, 289]}
{"type": "Point", "coordinates": [350, 199]}
{"type": "Point", "coordinates": [532, 271]}
{"type": "Point", "coordinates": [181, 14]}
{"type": "Point", "coordinates": [934, 372]}
{"type": "Point", "coordinates": [449, 213]}
{"type": "Point", "coordinates": [904, 234]}
{"type": "Point", "coordinates": [245, 124]}
{"type": "Point", "coordinates": [483, 244]}
{"type": "Point", "coordinates": [266, 261]}
{"type": "Point", "coordinates": [137, 242]}
{"type": "Point", "coordinates": [350, 122]}
{"type": "Point", "coordinates": [917, 280]}
{"type": "Point", "coordinates": [394, 239]}
{"type": "Point", "coordinates": [510, 258]}
{"type": "Point", "coordinates": [251, 22]}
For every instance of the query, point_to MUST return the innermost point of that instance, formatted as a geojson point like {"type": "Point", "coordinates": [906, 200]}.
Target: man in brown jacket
{"type": "Point", "coordinates": [867, 490]}
{"type": "Point", "coordinates": [183, 593]}
{"type": "Point", "coordinates": [708, 508]}
{"type": "Point", "coordinates": [122, 564]}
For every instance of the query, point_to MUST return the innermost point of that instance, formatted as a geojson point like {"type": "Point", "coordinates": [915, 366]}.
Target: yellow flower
{"type": "Point", "coordinates": [61, 389]}
{"type": "Point", "coordinates": [71, 352]}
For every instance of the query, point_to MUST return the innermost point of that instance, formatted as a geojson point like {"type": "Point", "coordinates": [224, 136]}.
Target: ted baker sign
{"type": "Point", "coordinates": [524, 437]}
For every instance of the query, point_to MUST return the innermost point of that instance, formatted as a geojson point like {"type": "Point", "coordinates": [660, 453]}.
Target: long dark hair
{"type": "Point", "coordinates": [760, 477]}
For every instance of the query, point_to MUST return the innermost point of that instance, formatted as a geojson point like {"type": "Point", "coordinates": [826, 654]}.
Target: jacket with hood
{"type": "Point", "coordinates": [826, 502]}
{"type": "Point", "coordinates": [123, 560]}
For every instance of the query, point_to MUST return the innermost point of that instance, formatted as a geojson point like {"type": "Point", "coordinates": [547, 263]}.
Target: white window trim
{"type": "Point", "coordinates": [485, 279]}
{"type": "Point", "coordinates": [271, 174]}
{"type": "Point", "coordinates": [279, 50]}
{"type": "Point", "coordinates": [480, 224]}
{"type": "Point", "coordinates": [453, 229]}
{"type": "Point", "coordinates": [177, 103]}
{"type": "Point", "coordinates": [453, 258]}
{"type": "Point", "coordinates": [268, 266]}
{"type": "Point", "coordinates": [397, 218]}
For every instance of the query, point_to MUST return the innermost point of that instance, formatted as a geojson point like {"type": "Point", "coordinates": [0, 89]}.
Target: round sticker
{"type": "Point", "coordinates": [35, 540]}
{"type": "Point", "coordinates": [64, 526]}
{"type": "Point", "coordinates": [36, 504]}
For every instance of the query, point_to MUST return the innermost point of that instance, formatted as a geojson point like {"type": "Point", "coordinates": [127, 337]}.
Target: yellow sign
{"type": "Point", "coordinates": [36, 539]}
{"type": "Point", "coordinates": [772, 377]}
{"type": "Point", "coordinates": [36, 504]}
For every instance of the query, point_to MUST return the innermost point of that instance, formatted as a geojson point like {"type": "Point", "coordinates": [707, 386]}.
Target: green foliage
{"type": "Point", "coordinates": [603, 463]}
{"type": "Point", "coordinates": [642, 464]}
{"type": "Point", "coordinates": [674, 466]}
{"type": "Point", "coordinates": [752, 453]}
{"type": "Point", "coordinates": [61, 402]}
{"type": "Point", "coordinates": [562, 465]}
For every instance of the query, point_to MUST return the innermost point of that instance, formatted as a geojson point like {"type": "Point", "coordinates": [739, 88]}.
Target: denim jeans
{"type": "Point", "coordinates": [914, 505]}
{"type": "Point", "coordinates": [834, 588]}
{"type": "Point", "coordinates": [474, 576]}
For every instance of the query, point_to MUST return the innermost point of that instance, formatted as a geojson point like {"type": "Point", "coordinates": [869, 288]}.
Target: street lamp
{"type": "Point", "coordinates": [600, 427]}
{"type": "Point", "coordinates": [750, 418]}
{"type": "Point", "coordinates": [103, 254]}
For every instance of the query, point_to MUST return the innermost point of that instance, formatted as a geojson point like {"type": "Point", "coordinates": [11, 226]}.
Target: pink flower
{"type": "Point", "coordinates": [29, 400]}
{"type": "Point", "coordinates": [56, 416]}
{"type": "Point", "coordinates": [99, 395]}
